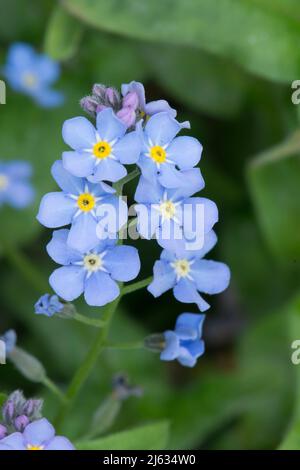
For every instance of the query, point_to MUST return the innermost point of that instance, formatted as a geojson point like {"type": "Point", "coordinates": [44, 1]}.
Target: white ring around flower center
{"type": "Point", "coordinates": [167, 209]}
{"type": "Point", "coordinates": [30, 80]}
{"type": "Point", "coordinates": [4, 181]}
{"type": "Point", "coordinates": [182, 268]}
{"type": "Point", "coordinates": [92, 262]}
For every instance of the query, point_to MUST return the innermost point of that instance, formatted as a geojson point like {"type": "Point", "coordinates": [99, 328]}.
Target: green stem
{"type": "Point", "coordinates": [88, 363]}
{"type": "Point", "coordinates": [54, 389]}
{"type": "Point", "coordinates": [119, 185]}
{"type": "Point", "coordinates": [88, 321]}
{"type": "Point", "coordinates": [137, 285]}
{"type": "Point", "coordinates": [129, 345]}
{"type": "Point", "coordinates": [25, 267]}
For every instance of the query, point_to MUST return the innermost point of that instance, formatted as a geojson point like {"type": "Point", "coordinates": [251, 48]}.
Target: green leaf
{"type": "Point", "coordinates": [63, 35]}
{"type": "Point", "coordinates": [3, 398]}
{"type": "Point", "coordinates": [214, 86]}
{"type": "Point", "coordinates": [149, 437]}
{"type": "Point", "coordinates": [274, 184]}
{"type": "Point", "coordinates": [259, 35]}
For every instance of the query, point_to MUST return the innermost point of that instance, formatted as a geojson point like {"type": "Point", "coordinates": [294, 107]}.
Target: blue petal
{"type": "Point", "coordinates": [79, 133]}
{"type": "Point", "coordinates": [18, 169]}
{"type": "Point", "coordinates": [170, 236]}
{"type": "Point", "coordinates": [15, 441]}
{"type": "Point", "coordinates": [21, 55]}
{"type": "Point", "coordinates": [39, 432]}
{"type": "Point", "coordinates": [210, 240]}
{"type": "Point", "coordinates": [164, 278]}
{"type": "Point", "coordinates": [20, 194]}
{"type": "Point", "coordinates": [172, 349]}
{"type": "Point", "coordinates": [159, 106]}
{"type": "Point", "coordinates": [109, 126]}
{"type": "Point", "coordinates": [68, 282]}
{"type": "Point", "coordinates": [185, 152]}
{"type": "Point", "coordinates": [189, 326]}
{"type": "Point", "coordinates": [185, 291]}
{"type": "Point", "coordinates": [79, 163]}
{"type": "Point", "coordinates": [59, 250]}
{"type": "Point", "coordinates": [100, 289]}
{"type": "Point", "coordinates": [148, 220]}
{"type": "Point", "coordinates": [108, 170]}
{"type": "Point", "coordinates": [47, 69]}
{"type": "Point", "coordinates": [170, 177]}
{"type": "Point", "coordinates": [56, 210]}
{"type": "Point", "coordinates": [138, 88]}
{"type": "Point", "coordinates": [211, 277]}
{"type": "Point", "coordinates": [49, 98]}
{"type": "Point", "coordinates": [190, 352]}
{"type": "Point", "coordinates": [59, 443]}
{"type": "Point", "coordinates": [147, 192]}
{"type": "Point", "coordinates": [148, 168]}
{"type": "Point", "coordinates": [199, 217]}
{"type": "Point", "coordinates": [82, 235]}
{"type": "Point", "coordinates": [127, 150]}
{"type": "Point", "coordinates": [162, 128]}
{"type": "Point", "coordinates": [68, 183]}
{"type": "Point", "coordinates": [123, 263]}
{"type": "Point", "coordinates": [112, 215]}
{"type": "Point", "coordinates": [191, 181]}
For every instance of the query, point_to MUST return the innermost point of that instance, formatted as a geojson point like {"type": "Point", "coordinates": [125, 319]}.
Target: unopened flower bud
{"type": "Point", "coordinates": [112, 96]}
{"type": "Point", "coordinates": [3, 431]}
{"type": "Point", "coordinates": [8, 411]}
{"type": "Point", "coordinates": [28, 365]}
{"type": "Point", "coordinates": [131, 100]}
{"type": "Point", "coordinates": [89, 105]}
{"type": "Point", "coordinates": [33, 408]}
{"type": "Point", "coordinates": [99, 90]}
{"type": "Point", "coordinates": [21, 422]}
{"type": "Point", "coordinates": [127, 116]}
{"type": "Point", "coordinates": [100, 107]}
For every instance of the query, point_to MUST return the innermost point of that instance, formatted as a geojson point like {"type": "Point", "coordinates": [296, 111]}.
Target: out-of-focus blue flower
{"type": "Point", "coordinates": [164, 154]}
{"type": "Point", "coordinates": [15, 187]}
{"type": "Point", "coordinates": [10, 340]}
{"type": "Point", "coordinates": [175, 218]}
{"type": "Point", "coordinates": [93, 272]}
{"type": "Point", "coordinates": [134, 97]}
{"type": "Point", "coordinates": [185, 343]}
{"type": "Point", "coordinates": [39, 435]}
{"type": "Point", "coordinates": [48, 305]}
{"type": "Point", "coordinates": [188, 274]}
{"type": "Point", "coordinates": [77, 204]}
{"type": "Point", "coordinates": [101, 153]}
{"type": "Point", "coordinates": [33, 74]}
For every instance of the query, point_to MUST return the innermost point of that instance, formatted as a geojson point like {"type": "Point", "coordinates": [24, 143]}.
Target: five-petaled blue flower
{"type": "Point", "coordinates": [48, 305]}
{"type": "Point", "coordinates": [33, 74]}
{"type": "Point", "coordinates": [185, 343]}
{"type": "Point", "coordinates": [77, 204]}
{"type": "Point", "coordinates": [39, 435]}
{"type": "Point", "coordinates": [15, 187]}
{"type": "Point", "coordinates": [93, 272]}
{"type": "Point", "coordinates": [100, 153]}
{"type": "Point", "coordinates": [188, 274]}
{"type": "Point", "coordinates": [164, 155]}
{"type": "Point", "coordinates": [175, 218]}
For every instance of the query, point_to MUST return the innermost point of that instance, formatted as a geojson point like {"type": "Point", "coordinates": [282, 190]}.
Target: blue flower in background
{"type": "Point", "coordinates": [39, 435]}
{"type": "Point", "coordinates": [188, 274]}
{"type": "Point", "coordinates": [93, 272]}
{"type": "Point", "coordinates": [48, 305]}
{"type": "Point", "coordinates": [175, 218]}
{"type": "Point", "coordinates": [185, 343]}
{"type": "Point", "coordinates": [101, 153]}
{"type": "Point", "coordinates": [77, 204]}
{"type": "Point", "coordinates": [33, 74]}
{"type": "Point", "coordinates": [164, 154]}
{"type": "Point", "coordinates": [10, 340]}
{"type": "Point", "coordinates": [15, 187]}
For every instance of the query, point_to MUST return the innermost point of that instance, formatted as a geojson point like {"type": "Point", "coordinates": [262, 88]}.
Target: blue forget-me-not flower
{"type": "Point", "coordinates": [15, 187]}
{"type": "Point", "coordinates": [48, 305]}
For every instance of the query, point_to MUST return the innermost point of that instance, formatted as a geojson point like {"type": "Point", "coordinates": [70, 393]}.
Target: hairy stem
{"type": "Point", "coordinates": [119, 185]}
{"type": "Point", "coordinates": [54, 389]}
{"type": "Point", "coordinates": [129, 345]}
{"type": "Point", "coordinates": [137, 285]}
{"type": "Point", "coordinates": [88, 321]}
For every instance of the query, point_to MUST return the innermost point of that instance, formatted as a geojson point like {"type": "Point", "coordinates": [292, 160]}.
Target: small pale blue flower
{"type": "Point", "coordinates": [171, 215]}
{"type": "Point", "coordinates": [33, 74]}
{"type": "Point", "coordinates": [39, 435]}
{"type": "Point", "coordinates": [48, 305]}
{"type": "Point", "coordinates": [100, 153]}
{"type": "Point", "coordinates": [185, 343]}
{"type": "Point", "coordinates": [15, 187]}
{"type": "Point", "coordinates": [77, 204]}
{"type": "Point", "coordinates": [164, 155]}
{"type": "Point", "coordinates": [10, 340]}
{"type": "Point", "coordinates": [94, 273]}
{"type": "Point", "coordinates": [188, 274]}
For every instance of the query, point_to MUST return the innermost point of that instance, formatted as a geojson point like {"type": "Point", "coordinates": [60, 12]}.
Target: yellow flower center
{"type": "Point", "coordinates": [86, 202]}
{"type": "Point", "coordinates": [31, 447]}
{"type": "Point", "coordinates": [167, 209]}
{"type": "Point", "coordinates": [102, 149]}
{"type": "Point", "coordinates": [158, 154]}
{"type": "Point", "coordinates": [181, 267]}
{"type": "Point", "coordinates": [3, 182]}
{"type": "Point", "coordinates": [30, 80]}
{"type": "Point", "coordinates": [92, 262]}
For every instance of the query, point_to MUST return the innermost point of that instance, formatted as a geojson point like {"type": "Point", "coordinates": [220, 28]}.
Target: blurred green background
{"type": "Point", "coordinates": [227, 66]}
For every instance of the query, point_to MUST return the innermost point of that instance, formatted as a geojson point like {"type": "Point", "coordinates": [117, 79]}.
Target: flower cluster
{"type": "Point", "coordinates": [33, 74]}
{"type": "Point", "coordinates": [15, 187]}
{"type": "Point", "coordinates": [23, 427]}
{"type": "Point", "coordinates": [129, 131]}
